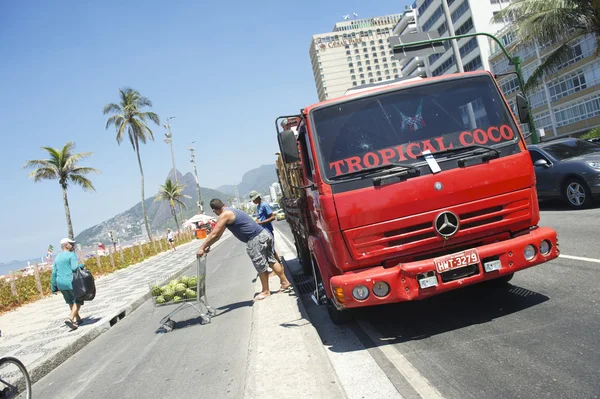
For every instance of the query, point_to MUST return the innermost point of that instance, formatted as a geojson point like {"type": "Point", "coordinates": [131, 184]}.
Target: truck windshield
{"type": "Point", "coordinates": [398, 126]}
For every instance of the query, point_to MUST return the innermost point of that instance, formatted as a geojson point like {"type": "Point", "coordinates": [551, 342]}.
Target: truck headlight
{"type": "Point", "coordinates": [381, 289]}
{"type": "Point", "coordinates": [529, 252]}
{"type": "Point", "coordinates": [545, 247]}
{"type": "Point", "coordinates": [360, 292]}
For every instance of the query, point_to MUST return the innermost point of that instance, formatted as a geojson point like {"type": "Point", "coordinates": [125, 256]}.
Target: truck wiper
{"type": "Point", "coordinates": [390, 166]}
{"type": "Point", "coordinates": [471, 147]}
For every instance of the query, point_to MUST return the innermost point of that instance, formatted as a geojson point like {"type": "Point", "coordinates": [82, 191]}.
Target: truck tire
{"type": "Point", "coordinates": [303, 255]}
{"type": "Point", "coordinates": [338, 317]}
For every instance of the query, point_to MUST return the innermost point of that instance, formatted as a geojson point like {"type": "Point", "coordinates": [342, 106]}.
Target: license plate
{"type": "Point", "coordinates": [457, 260]}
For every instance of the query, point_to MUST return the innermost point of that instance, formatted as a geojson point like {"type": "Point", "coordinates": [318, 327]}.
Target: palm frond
{"type": "Point", "coordinates": [82, 181]}
{"type": "Point", "coordinates": [121, 132]}
{"type": "Point", "coordinates": [115, 120]}
{"type": "Point", "coordinates": [144, 102]}
{"type": "Point", "coordinates": [84, 170]}
{"type": "Point", "coordinates": [549, 65]}
{"type": "Point", "coordinates": [152, 116]}
{"type": "Point", "coordinates": [44, 174]}
{"type": "Point", "coordinates": [73, 159]}
{"type": "Point", "coordinates": [546, 20]}
{"type": "Point", "coordinates": [35, 163]}
{"type": "Point", "coordinates": [112, 108]}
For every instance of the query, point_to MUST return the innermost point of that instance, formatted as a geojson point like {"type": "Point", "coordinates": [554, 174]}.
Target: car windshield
{"type": "Point", "coordinates": [397, 126]}
{"type": "Point", "coordinates": [571, 149]}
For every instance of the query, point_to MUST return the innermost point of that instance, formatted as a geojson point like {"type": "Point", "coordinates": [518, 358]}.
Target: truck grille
{"type": "Point", "coordinates": [416, 233]}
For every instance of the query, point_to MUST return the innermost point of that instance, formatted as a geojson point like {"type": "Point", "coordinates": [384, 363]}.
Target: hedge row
{"type": "Point", "coordinates": [27, 290]}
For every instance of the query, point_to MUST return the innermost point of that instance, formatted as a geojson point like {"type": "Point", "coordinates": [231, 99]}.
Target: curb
{"type": "Point", "coordinates": [312, 331]}
{"type": "Point", "coordinates": [39, 371]}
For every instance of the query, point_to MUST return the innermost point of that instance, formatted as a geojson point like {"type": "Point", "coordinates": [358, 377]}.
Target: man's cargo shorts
{"type": "Point", "coordinates": [261, 252]}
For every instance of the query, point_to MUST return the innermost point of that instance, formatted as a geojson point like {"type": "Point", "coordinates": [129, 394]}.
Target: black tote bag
{"type": "Point", "coordinates": [84, 286]}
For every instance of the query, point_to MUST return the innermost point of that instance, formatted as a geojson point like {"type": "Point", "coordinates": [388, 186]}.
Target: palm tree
{"type": "Point", "coordinates": [62, 166]}
{"type": "Point", "coordinates": [129, 119]}
{"type": "Point", "coordinates": [558, 21]}
{"type": "Point", "coordinates": [172, 192]}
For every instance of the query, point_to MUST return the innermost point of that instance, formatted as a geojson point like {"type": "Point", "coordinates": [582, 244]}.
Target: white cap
{"type": "Point", "coordinates": [66, 240]}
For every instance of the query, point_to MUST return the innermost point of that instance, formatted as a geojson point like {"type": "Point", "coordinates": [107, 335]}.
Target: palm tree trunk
{"type": "Point", "coordinates": [68, 214]}
{"type": "Point", "coordinates": [137, 151]}
{"type": "Point", "coordinates": [174, 213]}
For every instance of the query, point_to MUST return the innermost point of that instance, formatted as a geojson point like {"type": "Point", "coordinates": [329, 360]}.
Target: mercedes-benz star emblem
{"type": "Point", "coordinates": [446, 224]}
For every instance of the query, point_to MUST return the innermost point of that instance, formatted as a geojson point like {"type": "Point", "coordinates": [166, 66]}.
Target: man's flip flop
{"type": "Point", "coordinates": [286, 289]}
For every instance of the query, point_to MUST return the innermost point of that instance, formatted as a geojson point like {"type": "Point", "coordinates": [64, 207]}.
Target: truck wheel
{"type": "Point", "coordinates": [303, 256]}
{"type": "Point", "coordinates": [338, 317]}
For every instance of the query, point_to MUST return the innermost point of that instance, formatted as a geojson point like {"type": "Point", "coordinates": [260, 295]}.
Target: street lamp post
{"type": "Point", "coordinates": [193, 161]}
{"type": "Point", "coordinates": [169, 140]}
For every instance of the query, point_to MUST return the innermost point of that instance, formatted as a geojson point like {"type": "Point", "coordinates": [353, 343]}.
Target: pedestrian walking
{"type": "Point", "coordinates": [265, 218]}
{"type": "Point", "coordinates": [171, 239]}
{"type": "Point", "coordinates": [63, 267]}
{"type": "Point", "coordinates": [259, 244]}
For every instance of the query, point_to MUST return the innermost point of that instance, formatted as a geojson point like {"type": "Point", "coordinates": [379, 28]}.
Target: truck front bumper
{"type": "Point", "coordinates": [405, 279]}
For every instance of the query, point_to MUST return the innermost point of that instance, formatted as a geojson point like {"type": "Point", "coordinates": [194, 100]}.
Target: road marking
{"type": "Point", "coordinates": [579, 258]}
{"type": "Point", "coordinates": [411, 374]}
{"type": "Point", "coordinates": [216, 267]}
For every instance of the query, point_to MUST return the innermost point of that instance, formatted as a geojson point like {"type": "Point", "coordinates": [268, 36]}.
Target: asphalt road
{"type": "Point", "coordinates": [537, 337]}
{"type": "Point", "coordinates": [135, 360]}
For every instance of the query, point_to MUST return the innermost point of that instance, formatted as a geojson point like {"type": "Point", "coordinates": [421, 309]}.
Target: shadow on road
{"type": "Point", "coordinates": [228, 308]}
{"type": "Point", "coordinates": [447, 312]}
{"type": "Point", "coordinates": [88, 320]}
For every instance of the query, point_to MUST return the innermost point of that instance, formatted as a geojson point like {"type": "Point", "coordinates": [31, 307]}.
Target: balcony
{"type": "Point", "coordinates": [411, 65]}
{"type": "Point", "coordinates": [408, 19]}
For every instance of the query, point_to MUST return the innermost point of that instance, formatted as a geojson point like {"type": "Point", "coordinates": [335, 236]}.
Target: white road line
{"type": "Point", "coordinates": [412, 375]}
{"type": "Point", "coordinates": [579, 258]}
{"type": "Point", "coordinates": [216, 267]}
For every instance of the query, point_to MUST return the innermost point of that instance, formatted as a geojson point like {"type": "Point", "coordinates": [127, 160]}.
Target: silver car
{"type": "Point", "coordinates": [567, 169]}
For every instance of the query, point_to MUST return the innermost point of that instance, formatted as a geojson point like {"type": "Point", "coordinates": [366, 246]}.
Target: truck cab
{"type": "Point", "coordinates": [406, 191]}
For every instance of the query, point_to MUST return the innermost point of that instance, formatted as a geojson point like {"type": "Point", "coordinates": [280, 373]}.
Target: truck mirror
{"type": "Point", "coordinates": [522, 108]}
{"type": "Point", "coordinates": [288, 146]}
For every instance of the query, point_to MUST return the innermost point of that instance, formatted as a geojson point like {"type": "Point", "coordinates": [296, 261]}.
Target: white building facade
{"type": "Point", "coordinates": [467, 16]}
{"type": "Point", "coordinates": [566, 102]}
{"type": "Point", "coordinates": [355, 53]}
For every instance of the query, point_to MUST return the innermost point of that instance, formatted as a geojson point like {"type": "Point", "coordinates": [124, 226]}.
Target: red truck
{"type": "Point", "coordinates": [407, 191]}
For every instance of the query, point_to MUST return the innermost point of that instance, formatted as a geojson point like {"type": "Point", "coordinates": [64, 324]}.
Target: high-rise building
{"type": "Point", "coordinates": [566, 102]}
{"type": "Point", "coordinates": [355, 53]}
{"type": "Point", "coordinates": [275, 191]}
{"type": "Point", "coordinates": [467, 16]}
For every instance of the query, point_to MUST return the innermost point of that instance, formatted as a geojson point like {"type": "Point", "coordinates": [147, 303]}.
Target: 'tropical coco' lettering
{"type": "Point", "coordinates": [413, 150]}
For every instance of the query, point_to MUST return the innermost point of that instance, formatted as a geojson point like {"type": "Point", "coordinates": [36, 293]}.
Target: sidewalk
{"type": "Point", "coordinates": [37, 335]}
{"type": "Point", "coordinates": [287, 357]}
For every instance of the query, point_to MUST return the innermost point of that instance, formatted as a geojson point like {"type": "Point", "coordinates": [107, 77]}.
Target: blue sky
{"type": "Point", "coordinates": [224, 69]}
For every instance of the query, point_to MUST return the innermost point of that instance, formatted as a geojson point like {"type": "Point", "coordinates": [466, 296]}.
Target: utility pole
{"type": "Point", "coordinates": [451, 33]}
{"type": "Point", "coordinates": [193, 161]}
{"type": "Point", "coordinates": [169, 140]}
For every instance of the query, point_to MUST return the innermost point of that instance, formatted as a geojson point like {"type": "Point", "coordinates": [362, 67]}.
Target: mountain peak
{"type": "Point", "coordinates": [171, 175]}
{"type": "Point", "coordinates": [259, 179]}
